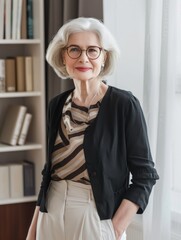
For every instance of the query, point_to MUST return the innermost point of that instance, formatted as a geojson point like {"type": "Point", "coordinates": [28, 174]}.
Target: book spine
{"type": "Point", "coordinates": [18, 126]}
{"type": "Point", "coordinates": [20, 73]}
{"type": "Point", "coordinates": [29, 73]}
{"type": "Point", "coordinates": [24, 129]}
{"type": "Point", "coordinates": [29, 178]}
{"type": "Point", "coordinates": [30, 19]}
{"type": "Point", "coordinates": [2, 9]}
{"type": "Point", "coordinates": [10, 75]}
{"type": "Point", "coordinates": [4, 182]}
{"type": "Point", "coordinates": [19, 19]}
{"type": "Point", "coordinates": [24, 21]}
{"type": "Point", "coordinates": [8, 20]}
{"type": "Point", "coordinates": [12, 124]}
{"type": "Point", "coordinates": [2, 75]}
{"type": "Point", "coordinates": [14, 18]}
{"type": "Point", "coordinates": [16, 180]}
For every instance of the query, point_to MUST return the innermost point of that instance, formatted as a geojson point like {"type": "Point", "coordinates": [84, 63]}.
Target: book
{"type": "Point", "coordinates": [2, 75]}
{"type": "Point", "coordinates": [14, 18]}
{"type": "Point", "coordinates": [20, 73]}
{"type": "Point", "coordinates": [25, 128]}
{"type": "Point", "coordinates": [10, 75]}
{"type": "Point", "coordinates": [24, 21]}
{"type": "Point", "coordinates": [12, 124]}
{"type": "Point", "coordinates": [16, 180]}
{"type": "Point", "coordinates": [2, 9]}
{"type": "Point", "coordinates": [8, 19]}
{"type": "Point", "coordinates": [19, 19]}
{"type": "Point", "coordinates": [28, 73]}
{"type": "Point", "coordinates": [28, 178]}
{"type": "Point", "coordinates": [30, 29]}
{"type": "Point", "coordinates": [4, 182]}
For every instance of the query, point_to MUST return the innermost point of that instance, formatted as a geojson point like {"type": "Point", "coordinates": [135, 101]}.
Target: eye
{"type": "Point", "coordinates": [74, 49]}
{"type": "Point", "coordinates": [93, 50]}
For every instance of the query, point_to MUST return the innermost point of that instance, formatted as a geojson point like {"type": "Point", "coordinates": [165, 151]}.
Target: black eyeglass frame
{"type": "Point", "coordinates": [86, 50]}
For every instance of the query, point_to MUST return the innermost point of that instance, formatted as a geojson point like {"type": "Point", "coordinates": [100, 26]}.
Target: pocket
{"type": "Point", "coordinates": [107, 230]}
{"type": "Point", "coordinates": [112, 228]}
{"type": "Point", "coordinates": [123, 236]}
{"type": "Point", "coordinates": [109, 221]}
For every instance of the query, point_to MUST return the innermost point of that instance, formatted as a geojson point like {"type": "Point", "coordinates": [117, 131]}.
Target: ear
{"type": "Point", "coordinates": [63, 58]}
{"type": "Point", "coordinates": [105, 57]}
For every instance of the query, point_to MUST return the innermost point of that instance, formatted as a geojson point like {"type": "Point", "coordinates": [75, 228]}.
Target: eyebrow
{"type": "Point", "coordinates": [74, 45]}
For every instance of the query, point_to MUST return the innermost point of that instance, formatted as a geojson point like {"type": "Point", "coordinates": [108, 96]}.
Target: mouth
{"type": "Point", "coordinates": [83, 69]}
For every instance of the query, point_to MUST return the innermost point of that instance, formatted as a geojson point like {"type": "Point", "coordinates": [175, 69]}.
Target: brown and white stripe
{"type": "Point", "coordinates": [68, 160]}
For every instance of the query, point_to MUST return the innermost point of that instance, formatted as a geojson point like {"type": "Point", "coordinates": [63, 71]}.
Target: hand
{"type": "Point", "coordinates": [31, 235]}
{"type": "Point", "coordinates": [118, 231]}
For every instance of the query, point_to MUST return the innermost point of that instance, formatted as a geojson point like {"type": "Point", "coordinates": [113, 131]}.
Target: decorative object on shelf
{"type": "Point", "coordinates": [28, 73]}
{"type": "Point", "coordinates": [24, 130]}
{"type": "Point", "coordinates": [16, 19]}
{"type": "Point", "coordinates": [28, 178]}
{"type": "Point", "coordinates": [20, 73]}
{"type": "Point", "coordinates": [17, 179]}
{"type": "Point", "coordinates": [30, 19]}
{"type": "Point", "coordinates": [4, 182]}
{"type": "Point", "coordinates": [12, 124]}
{"type": "Point", "coordinates": [10, 74]}
{"type": "Point", "coordinates": [16, 74]}
{"type": "Point", "coordinates": [2, 7]}
{"type": "Point", "coordinates": [2, 75]}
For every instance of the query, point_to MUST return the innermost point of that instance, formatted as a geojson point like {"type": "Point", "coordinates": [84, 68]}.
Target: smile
{"type": "Point", "coordinates": [83, 69]}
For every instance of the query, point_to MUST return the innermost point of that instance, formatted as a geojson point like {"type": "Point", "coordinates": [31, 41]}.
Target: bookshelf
{"type": "Point", "coordinates": [34, 148]}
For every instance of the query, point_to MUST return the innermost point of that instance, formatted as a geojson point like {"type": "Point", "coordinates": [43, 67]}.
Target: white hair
{"type": "Point", "coordinates": [55, 49]}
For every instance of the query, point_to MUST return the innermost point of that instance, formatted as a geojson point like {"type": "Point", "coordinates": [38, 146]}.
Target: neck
{"type": "Point", "coordinates": [86, 92]}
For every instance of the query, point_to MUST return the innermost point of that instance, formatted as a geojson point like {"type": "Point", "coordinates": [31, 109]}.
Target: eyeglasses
{"type": "Point", "coordinates": [92, 52]}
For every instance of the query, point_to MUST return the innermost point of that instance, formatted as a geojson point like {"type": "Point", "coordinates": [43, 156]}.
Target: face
{"type": "Point", "coordinates": [83, 68]}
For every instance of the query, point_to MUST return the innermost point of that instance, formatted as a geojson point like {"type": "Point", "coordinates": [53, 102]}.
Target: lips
{"type": "Point", "coordinates": [83, 69]}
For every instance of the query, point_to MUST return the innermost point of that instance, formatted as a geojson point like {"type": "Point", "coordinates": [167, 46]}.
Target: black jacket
{"type": "Point", "coordinates": [115, 145]}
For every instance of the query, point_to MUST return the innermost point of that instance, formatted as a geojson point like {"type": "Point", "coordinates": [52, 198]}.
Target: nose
{"type": "Point", "coordinates": [83, 57]}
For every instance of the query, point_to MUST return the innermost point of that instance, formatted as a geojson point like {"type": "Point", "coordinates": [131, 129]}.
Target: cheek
{"type": "Point", "coordinates": [69, 69]}
{"type": "Point", "coordinates": [99, 66]}
{"type": "Point", "coordinates": [69, 64]}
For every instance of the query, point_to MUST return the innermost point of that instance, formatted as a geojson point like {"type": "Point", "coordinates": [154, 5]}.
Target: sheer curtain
{"type": "Point", "coordinates": [159, 90]}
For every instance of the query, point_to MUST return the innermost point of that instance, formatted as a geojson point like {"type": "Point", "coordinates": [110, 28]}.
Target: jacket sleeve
{"type": "Point", "coordinates": [44, 171]}
{"type": "Point", "coordinates": [139, 158]}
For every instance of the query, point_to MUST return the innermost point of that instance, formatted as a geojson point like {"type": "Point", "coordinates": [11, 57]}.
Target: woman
{"type": "Point", "coordinates": [96, 137]}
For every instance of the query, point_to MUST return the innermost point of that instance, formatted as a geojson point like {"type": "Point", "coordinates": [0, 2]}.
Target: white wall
{"type": "Point", "coordinates": [126, 20]}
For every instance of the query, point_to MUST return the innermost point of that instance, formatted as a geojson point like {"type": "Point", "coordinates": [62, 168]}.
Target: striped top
{"type": "Point", "coordinates": [68, 160]}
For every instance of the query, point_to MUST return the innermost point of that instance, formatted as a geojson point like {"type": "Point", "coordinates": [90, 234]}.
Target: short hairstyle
{"type": "Point", "coordinates": [54, 55]}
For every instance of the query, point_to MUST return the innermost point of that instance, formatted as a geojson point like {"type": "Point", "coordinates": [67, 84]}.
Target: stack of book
{"type": "Point", "coordinates": [15, 127]}
{"type": "Point", "coordinates": [16, 19]}
{"type": "Point", "coordinates": [16, 74]}
{"type": "Point", "coordinates": [17, 180]}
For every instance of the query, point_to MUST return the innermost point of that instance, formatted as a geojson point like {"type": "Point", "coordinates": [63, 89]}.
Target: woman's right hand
{"type": "Point", "coordinates": [32, 230]}
{"type": "Point", "coordinates": [31, 235]}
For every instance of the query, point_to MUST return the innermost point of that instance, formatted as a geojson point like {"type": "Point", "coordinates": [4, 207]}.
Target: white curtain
{"type": "Point", "coordinates": [158, 100]}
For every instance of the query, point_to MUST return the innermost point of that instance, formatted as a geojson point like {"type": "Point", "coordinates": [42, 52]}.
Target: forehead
{"type": "Point", "coordinates": [84, 39]}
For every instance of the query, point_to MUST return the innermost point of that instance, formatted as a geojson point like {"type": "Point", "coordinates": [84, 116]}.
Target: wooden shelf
{"type": "Point", "coordinates": [20, 41]}
{"type": "Point", "coordinates": [19, 94]}
{"type": "Point", "coordinates": [26, 147]}
{"type": "Point", "coordinates": [16, 213]}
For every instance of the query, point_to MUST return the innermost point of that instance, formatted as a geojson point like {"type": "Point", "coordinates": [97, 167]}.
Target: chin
{"type": "Point", "coordinates": [83, 78]}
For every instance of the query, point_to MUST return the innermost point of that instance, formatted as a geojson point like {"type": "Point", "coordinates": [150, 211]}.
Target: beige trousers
{"type": "Point", "coordinates": [72, 215]}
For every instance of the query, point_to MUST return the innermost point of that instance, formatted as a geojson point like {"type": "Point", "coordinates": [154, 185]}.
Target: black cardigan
{"type": "Point", "coordinates": [115, 145]}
